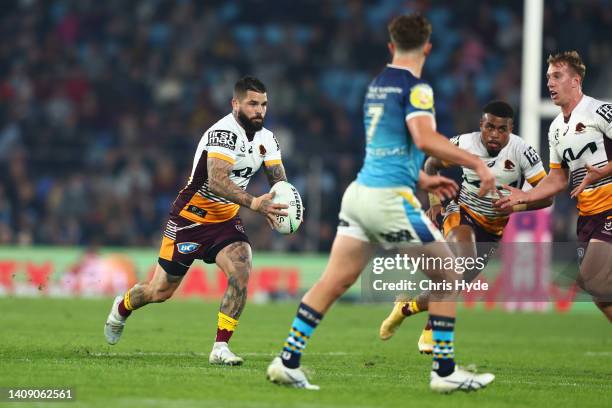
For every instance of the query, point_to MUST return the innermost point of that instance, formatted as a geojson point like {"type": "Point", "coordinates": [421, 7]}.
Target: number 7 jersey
{"type": "Point", "coordinates": [585, 138]}
{"type": "Point", "coordinates": [392, 159]}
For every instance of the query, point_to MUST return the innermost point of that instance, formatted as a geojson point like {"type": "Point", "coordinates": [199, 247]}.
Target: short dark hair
{"type": "Point", "coordinates": [500, 109]}
{"type": "Point", "coordinates": [409, 32]}
{"type": "Point", "coordinates": [572, 59]}
{"type": "Point", "coordinates": [248, 83]}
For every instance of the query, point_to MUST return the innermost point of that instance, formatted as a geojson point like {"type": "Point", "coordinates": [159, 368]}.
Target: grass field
{"type": "Point", "coordinates": [162, 360]}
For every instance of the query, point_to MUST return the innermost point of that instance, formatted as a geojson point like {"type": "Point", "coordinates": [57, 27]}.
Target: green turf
{"type": "Point", "coordinates": [540, 359]}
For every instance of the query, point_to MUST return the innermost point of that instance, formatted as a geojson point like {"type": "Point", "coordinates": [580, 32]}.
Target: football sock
{"type": "Point", "coordinates": [306, 320]}
{"type": "Point", "coordinates": [125, 308]}
{"type": "Point", "coordinates": [443, 351]}
{"type": "Point", "coordinates": [410, 308]}
{"type": "Point", "coordinates": [225, 327]}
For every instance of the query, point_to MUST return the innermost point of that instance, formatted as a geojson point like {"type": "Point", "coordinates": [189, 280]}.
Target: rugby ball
{"type": "Point", "coordinates": [285, 193]}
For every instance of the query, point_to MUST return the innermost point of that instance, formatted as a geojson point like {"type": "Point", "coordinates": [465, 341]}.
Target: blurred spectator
{"type": "Point", "coordinates": [103, 102]}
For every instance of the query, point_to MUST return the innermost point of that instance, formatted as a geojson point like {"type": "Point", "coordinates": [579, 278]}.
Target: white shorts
{"type": "Point", "coordinates": [391, 217]}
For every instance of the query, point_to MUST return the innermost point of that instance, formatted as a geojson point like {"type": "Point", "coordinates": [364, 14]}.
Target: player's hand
{"type": "Point", "coordinates": [487, 179]}
{"type": "Point", "coordinates": [441, 186]}
{"type": "Point", "coordinates": [593, 174]}
{"type": "Point", "coordinates": [515, 197]}
{"type": "Point", "coordinates": [264, 205]}
{"type": "Point", "coordinates": [434, 212]}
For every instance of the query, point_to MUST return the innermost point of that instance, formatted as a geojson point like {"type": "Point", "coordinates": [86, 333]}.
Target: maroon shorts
{"type": "Point", "coordinates": [185, 240]}
{"type": "Point", "coordinates": [462, 217]}
{"type": "Point", "coordinates": [597, 226]}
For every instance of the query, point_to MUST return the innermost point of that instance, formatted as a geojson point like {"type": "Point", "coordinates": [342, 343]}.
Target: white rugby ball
{"type": "Point", "coordinates": [285, 193]}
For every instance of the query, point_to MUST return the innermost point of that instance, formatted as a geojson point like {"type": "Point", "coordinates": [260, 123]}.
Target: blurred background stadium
{"type": "Point", "coordinates": [103, 102]}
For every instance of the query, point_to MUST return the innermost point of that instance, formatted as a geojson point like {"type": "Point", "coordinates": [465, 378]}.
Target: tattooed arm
{"type": "Point", "coordinates": [275, 173]}
{"type": "Point", "coordinates": [220, 184]}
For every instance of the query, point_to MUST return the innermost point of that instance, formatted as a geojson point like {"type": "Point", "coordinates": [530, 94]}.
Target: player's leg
{"type": "Point", "coordinates": [446, 376]}
{"type": "Point", "coordinates": [235, 260]}
{"type": "Point", "coordinates": [160, 288]}
{"type": "Point", "coordinates": [349, 256]}
{"type": "Point", "coordinates": [462, 240]}
{"type": "Point", "coordinates": [596, 275]}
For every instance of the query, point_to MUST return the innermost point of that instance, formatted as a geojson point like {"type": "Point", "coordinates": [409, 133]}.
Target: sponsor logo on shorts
{"type": "Point", "coordinates": [608, 225]}
{"type": "Point", "coordinates": [397, 236]}
{"type": "Point", "coordinates": [240, 227]}
{"type": "Point", "coordinates": [580, 253]}
{"type": "Point", "coordinates": [187, 247]}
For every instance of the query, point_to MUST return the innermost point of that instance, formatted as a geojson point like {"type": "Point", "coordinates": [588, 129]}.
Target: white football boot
{"type": "Point", "coordinates": [114, 323]}
{"type": "Point", "coordinates": [293, 377]}
{"type": "Point", "coordinates": [460, 379]}
{"type": "Point", "coordinates": [221, 354]}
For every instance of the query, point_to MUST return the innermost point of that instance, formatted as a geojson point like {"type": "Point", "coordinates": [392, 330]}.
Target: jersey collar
{"type": "Point", "coordinates": [399, 67]}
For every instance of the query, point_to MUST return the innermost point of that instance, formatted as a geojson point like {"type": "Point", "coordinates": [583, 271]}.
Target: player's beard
{"type": "Point", "coordinates": [493, 153]}
{"type": "Point", "coordinates": [249, 125]}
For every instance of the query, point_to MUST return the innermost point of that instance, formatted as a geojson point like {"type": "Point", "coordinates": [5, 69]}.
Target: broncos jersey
{"type": "Point", "coordinates": [585, 138]}
{"type": "Point", "coordinates": [392, 159]}
{"type": "Point", "coordinates": [516, 162]}
{"type": "Point", "coordinates": [225, 140]}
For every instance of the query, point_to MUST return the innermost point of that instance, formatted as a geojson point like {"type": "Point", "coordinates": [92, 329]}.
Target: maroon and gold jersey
{"type": "Point", "coordinates": [585, 138]}
{"type": "Point", "coordinates": [225, 140]}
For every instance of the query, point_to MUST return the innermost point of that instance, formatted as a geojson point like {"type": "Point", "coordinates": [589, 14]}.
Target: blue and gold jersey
{"type": "Point", "coordinates": [392, 159]}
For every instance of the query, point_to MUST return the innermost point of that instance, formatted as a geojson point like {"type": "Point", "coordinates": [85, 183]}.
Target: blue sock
{"type": "Point", "coordinates": [444, 350]}
{"type": "Point", "coordinates": [302, 327]}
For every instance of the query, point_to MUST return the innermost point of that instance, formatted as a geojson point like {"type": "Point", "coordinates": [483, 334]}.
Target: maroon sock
{"type": "Point", "coordinates": [224, 335]}
{"type": "Point", "coordinates": [122, 310]}
{"type": "Point", "coordinates": [406, 310]}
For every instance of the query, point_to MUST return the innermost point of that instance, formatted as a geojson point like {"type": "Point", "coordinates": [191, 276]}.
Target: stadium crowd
{"type": "Point", "coordinates": [103, 102]}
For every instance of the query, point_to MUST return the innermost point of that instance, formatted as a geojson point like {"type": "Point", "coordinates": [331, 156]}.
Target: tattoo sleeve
{"type": "Point", "coordinates": [235, 296]}
{"type": "Point", "coordinates": [220, 183]}
{"type": "Point", "coordinates": [275, 173]}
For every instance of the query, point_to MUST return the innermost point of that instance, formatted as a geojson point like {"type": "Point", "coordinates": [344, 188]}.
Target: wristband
{"type": "Point", "coordinates": [434, 200]}
{"type": "Point", "coordinates": [519, 207]}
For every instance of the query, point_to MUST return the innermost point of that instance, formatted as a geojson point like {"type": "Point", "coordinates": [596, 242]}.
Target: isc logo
{"type": "Point", "coordinates": [187, 247]}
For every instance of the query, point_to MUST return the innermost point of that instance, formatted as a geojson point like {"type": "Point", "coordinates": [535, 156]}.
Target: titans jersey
{"type": "Point", "coordinates": [586, 138]}
{"type": "Point", "coordinates": [392, 159]}
{"type": "Point", "coordinates": [225, 140]}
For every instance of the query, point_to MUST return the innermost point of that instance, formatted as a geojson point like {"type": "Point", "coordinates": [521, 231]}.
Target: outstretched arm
{"type": "Point", "coordinates": [551, 185]}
